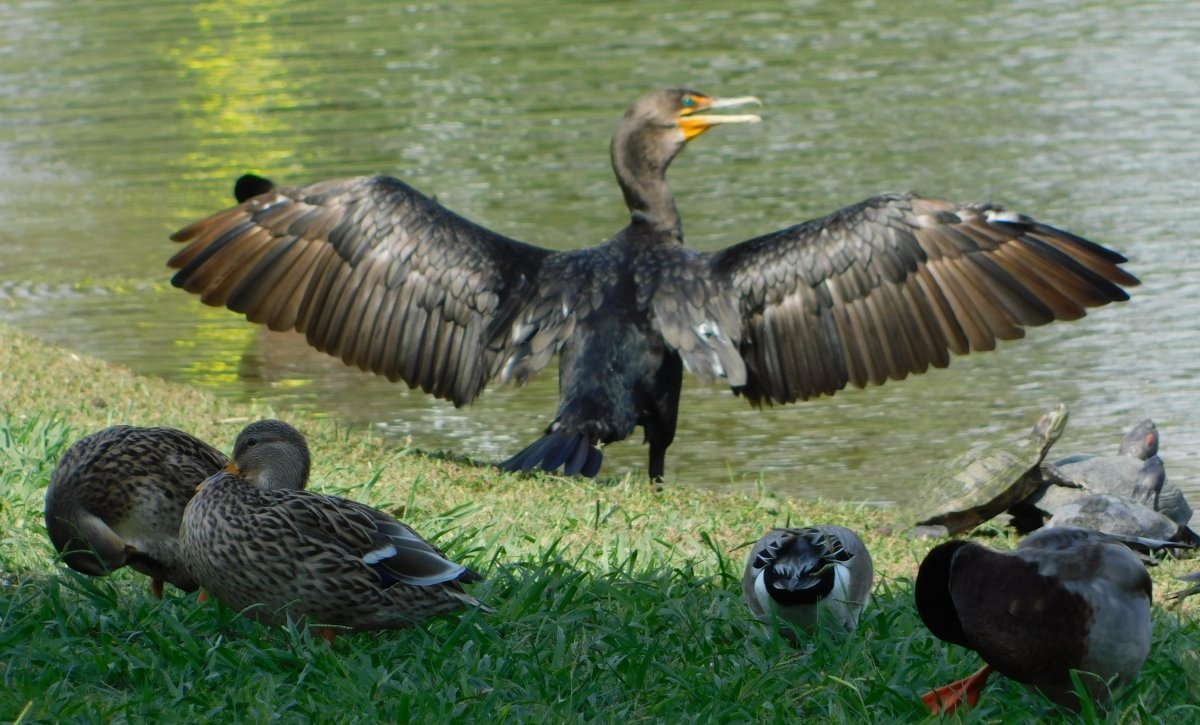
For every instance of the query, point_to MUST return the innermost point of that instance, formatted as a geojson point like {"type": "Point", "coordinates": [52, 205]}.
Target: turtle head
{"type": "Point", "coordinates": [1142, 441]}
{"type": "Point", "coordinates": [1052, 423]}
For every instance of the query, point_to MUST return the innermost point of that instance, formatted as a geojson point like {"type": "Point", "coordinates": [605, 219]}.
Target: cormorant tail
{"type": "Point", "coordinates": [576, 453]}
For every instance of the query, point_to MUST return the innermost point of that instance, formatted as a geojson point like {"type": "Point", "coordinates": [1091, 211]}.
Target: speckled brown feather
{"type": "Point", "coordinates": [279, 553]}
{"type": "Point", "coordinates": [117, 496]}
{"type": "Point", "coordinates": [275, 554]}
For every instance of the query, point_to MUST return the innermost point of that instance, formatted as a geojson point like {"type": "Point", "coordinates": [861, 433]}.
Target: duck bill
{"type": "Point", "coordinates": [695, 124]}
{"type": "Point", "coordinates": [230, 467]}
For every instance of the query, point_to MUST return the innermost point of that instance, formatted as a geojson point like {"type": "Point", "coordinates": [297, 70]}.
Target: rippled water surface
{"type": "Point", "coordinates": [119, 123]}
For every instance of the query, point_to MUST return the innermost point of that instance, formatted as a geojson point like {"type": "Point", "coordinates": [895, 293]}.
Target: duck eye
{"type": "Point", "coordinates": [251, 442]}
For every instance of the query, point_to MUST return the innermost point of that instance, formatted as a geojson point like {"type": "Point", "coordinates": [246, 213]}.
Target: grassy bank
{"type": "Point", "coordinates": [614, 603]}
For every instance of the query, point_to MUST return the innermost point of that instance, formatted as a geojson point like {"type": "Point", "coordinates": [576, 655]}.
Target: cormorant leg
{"type": "Point", "coordinates": [156, 587]}
{"type": "Point", "coordinates": [658, 463]}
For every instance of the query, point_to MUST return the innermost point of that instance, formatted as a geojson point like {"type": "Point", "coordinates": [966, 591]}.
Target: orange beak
{"type": "Point", "coordinates": [230, 467]}
{"type": "Point", "coordinates": [693, 123]}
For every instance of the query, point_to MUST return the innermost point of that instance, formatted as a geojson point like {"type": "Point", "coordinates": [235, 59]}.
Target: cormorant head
{"type": "Point", "coordinates": [659, 123]}
{"type": "Point", "coordinates": [688, 109]}
{"type": "Point", "coordinates": [653, 131]}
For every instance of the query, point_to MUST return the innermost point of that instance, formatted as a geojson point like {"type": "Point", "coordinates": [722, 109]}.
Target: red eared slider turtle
{"type": "Point", "coordinates": [1073, 477]}
{"type": "Point", "coordinates": [977, 486]}
{"type": "Point", "coordinates": [1117, 515]}
{"type": "Point", "coordinates": [1148, 486]}
{"type": "Point", "coordinates": [1127, 515]}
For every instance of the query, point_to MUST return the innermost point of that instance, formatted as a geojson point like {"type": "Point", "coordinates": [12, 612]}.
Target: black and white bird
{"type": "Point", "coordinates": [794, 575]}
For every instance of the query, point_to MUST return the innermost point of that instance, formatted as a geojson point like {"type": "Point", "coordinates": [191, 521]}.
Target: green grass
{"type": "Point", "coordinates": [614, 603]}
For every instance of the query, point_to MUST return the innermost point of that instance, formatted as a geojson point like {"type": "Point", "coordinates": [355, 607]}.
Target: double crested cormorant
{"type": "Point", "coordinates": [387, 279]}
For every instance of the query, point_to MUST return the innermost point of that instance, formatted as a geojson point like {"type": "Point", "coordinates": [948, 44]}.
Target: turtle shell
{"type": "Point", "coordinates": [1116, 515]}
{"type": "Point", "coordinates": [1074, 477]}
{"type": "Point", "coordinates": [1113, 475]}
{"type": "Point", "coordinates": [977, 486]}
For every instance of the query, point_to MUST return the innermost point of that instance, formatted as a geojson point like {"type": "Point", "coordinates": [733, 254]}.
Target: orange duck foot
{"type": "Point", "coordinates": [328, 634]}
{"type": "Point", "coordinates": [949, 698]}
{"type": "Point", "coordinates": [202, 597]}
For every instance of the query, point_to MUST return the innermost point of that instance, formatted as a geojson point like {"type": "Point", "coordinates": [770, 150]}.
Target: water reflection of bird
{"type": "Point", "coordinates": [386, 279]}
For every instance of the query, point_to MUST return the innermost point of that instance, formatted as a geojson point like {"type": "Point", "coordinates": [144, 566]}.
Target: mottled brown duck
{"type": "Point", "coordinates": [117, 496]}
{"type": "Point", "coordinates": [387, 279]}
{"type": "Point", "coordinates": [275, 553]}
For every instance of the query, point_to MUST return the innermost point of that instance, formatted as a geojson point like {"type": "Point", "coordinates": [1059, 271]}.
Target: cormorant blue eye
{"type": "Point", "coordinates": [688, 101]}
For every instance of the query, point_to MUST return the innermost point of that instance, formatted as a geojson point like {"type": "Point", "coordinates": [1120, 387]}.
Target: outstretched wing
{"type": "Point", "coordinates": [379, 275]}
{"type": "Point", "coordinates": [888, 287]}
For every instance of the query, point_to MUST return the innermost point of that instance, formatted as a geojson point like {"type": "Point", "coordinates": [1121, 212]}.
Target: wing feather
{"type": "Point", "coordinates": [393, 550]}
{"type": "Point", "coordinates": [380, 276]}
{"type": "Point", "coordinates": [889, 287]}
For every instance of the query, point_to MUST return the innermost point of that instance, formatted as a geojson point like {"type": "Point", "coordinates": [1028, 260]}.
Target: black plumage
{"type": "Point", "coordinates": [389, 280]}
{"type": "Point", "coordinates": [1065, 599]}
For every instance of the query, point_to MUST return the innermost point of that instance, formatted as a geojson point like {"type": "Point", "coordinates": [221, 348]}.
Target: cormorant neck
{"type": "Point", "coordinates": [640, 157]}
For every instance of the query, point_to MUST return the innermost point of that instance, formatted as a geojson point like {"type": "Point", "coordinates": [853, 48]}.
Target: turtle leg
{"type": "Point", "coordinates": [949, 698]}
{"type": "Point", "coordinates": [956, 522]}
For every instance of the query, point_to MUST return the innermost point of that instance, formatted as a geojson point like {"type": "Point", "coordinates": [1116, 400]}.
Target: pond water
{"type": "Point", "coordinates": [122, 122]}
